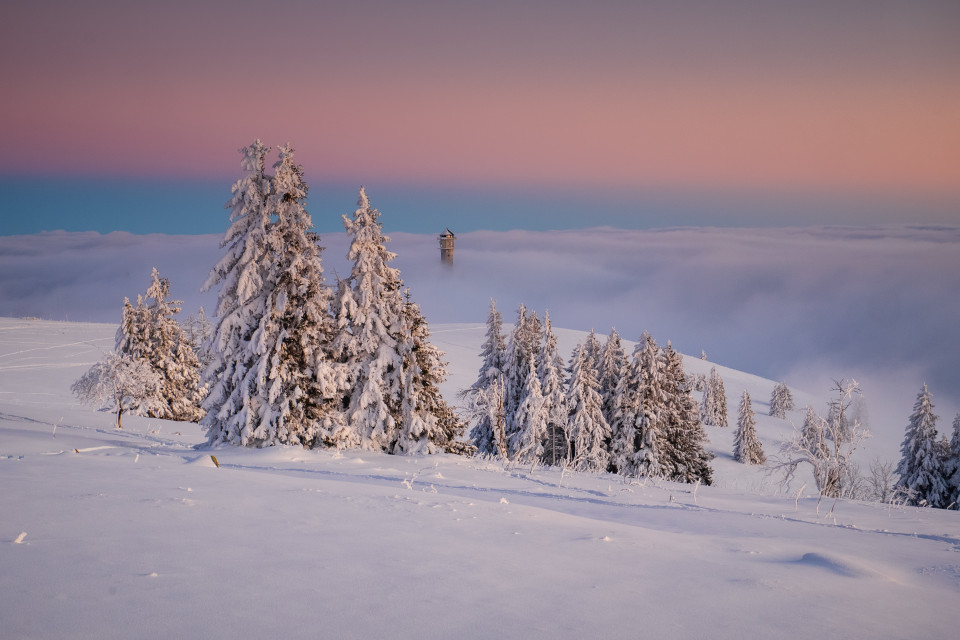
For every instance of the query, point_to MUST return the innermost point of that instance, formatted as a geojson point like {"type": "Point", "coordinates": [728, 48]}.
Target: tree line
{"type": "Point", "coordinates": [292, 360]}
{"type": "Point", "coordinates": [601, 411]}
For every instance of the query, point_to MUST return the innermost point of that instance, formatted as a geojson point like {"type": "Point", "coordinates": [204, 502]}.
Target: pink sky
{"type": "Point", "coordinates": [769, 95]}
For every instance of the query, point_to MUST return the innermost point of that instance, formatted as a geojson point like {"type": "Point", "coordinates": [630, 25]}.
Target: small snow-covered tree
{"type": "Point", "coordinates": [553, 389]}
{"type": "Point", "coordinates": [492, 355]}
{"type": "Point", "coordinates": [921, 466]}
{"type": "Point", "coordinates": [813, 435]}
{"type": "Point", "coordinates": [781, 400]}
{"type": "Point", "coordinates": [122, 382]}
{"type": "Point", "coordinates": [881, 481]}
{"type": "Point", "coordinates": [714, 407]}
{"type": "Point", "coordinates": [150, 332]}
{"type": "Point", "coordinates": [826, 447]}
{"type": "Point", "coordinates": [720, 396]}
{"type": "Point", "coordinates": [746, 445]}
{"type": "Point", "coordinates": [198, 330]}
{"type": "Point", "coordinates": [588, 429]}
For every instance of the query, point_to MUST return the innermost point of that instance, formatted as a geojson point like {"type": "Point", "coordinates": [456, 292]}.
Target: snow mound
{"type": "Point", "coordinates": [836, 565]}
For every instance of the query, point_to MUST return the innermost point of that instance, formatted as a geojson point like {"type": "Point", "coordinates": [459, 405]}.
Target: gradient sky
{"type": "Point", "coordinates": [656, 113]}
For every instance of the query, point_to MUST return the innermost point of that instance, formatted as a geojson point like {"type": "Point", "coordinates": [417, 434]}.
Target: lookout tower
{"type": "Point", "coordinates": [446, 247]}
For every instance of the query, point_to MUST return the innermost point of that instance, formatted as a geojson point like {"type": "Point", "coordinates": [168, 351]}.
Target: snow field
{"type": "Point", "coordinates": [136, 533]}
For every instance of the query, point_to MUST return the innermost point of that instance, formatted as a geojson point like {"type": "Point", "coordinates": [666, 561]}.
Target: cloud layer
{"type": "Point", "coordinates": [809, 304]}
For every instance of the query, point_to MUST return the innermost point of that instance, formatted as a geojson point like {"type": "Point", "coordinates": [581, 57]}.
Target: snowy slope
{"type": "Point", "coordinates": [134, 533]}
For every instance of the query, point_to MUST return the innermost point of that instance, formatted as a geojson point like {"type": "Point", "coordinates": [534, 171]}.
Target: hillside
{"type": "Point", "coordinates": [136, 533]}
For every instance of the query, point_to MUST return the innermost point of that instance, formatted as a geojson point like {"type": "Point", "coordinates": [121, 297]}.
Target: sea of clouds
{"type": "Point", "coordinates": [806, 305]}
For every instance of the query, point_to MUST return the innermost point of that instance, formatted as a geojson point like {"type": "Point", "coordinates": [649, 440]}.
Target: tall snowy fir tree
{"type": "Point", "coordinates": [530, 422]}
{"type": "Point", "coordinates": [304, 395]}
{"type": "Point", "coordinates": [553, 389]}
{"type": "Point", "coordinates": [627, 416]}
{"type": "Point", "coordinates": [649, 436]}
{"type": "Point", "coordinates": [369, 316]}
{"type": "Point", "coordinates": [588, 429]}
{"type": "Point", "coordinates": [493, 350]}
{"type": "Point", "coordinates": [921, 467]}
{"type": "Point", "coordinates": [781, 401]}
{"type": "Point", "coordinates": [493, 355]}
{"type": "Point", "coordinates": [951, 469]}
{"type": "Point", "coordinates": [427, 423]}
{"type": "Point", "coordinates": [683, 456]}
{"type": "Point", "coordinates": [523, 348]}
{"type": "Point", "coordinates": [610, 368]}
{"type": "Point", "coordinates": [239, 348]}
{"type": "Point", "coordinates": [150, 332]}
{"type": "Point", "coordinates": [746, 445]}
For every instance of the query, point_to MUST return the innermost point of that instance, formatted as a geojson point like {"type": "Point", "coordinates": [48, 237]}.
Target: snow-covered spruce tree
{"type": "Point", "coordinates": [951, 467]}
{"type": "Point", "coordinates": [490, 400]}
{"type": "Point", "coordinates": [122, 382]}
{"type": "Point", "coordinates": [708, 406]}
{"type": "Point", "coordinates": [369, 315]}
{"type": "Point", "coordinates": [921, 467]}
{"type": "Point", "coordinates": [522, 349]}
{"type": "Point", "coordinates": [492, 355]}
{"type": "Point", "coordinates": [427, 422]}
{"type": "Point", "coordinates": [648, 440]}
{"type": "Point", "coordinates": [304, 396]}
{"type": "Point", "coordinates": [592, 349]}
{"type": "Point", "coordinates": [587, 427]}
{"type": "Point", "coordinates": [530, 422]}
{"type": "Point", "coordinates": [243, 342]}
{"type": "Point", "coordinates": [746, 445]}
{"type": "Point", "coordinates": [610, 368]}
{"type": "Point", "coordinates": [682, 453]}
{"type": "Point", "coordinates": [714, 406]}
{"type": "Point", "coordinates": [781, 401]}
{"type": "Point", "coordinates": [150, 332]}
{"type": "Point", "coordinates": [627, 416]}
{"type": "Point", "coordinates": [556, 446]}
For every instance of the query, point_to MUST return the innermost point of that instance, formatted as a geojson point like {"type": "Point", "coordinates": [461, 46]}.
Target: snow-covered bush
{"type": "Point", "coordinates": [121, 382]}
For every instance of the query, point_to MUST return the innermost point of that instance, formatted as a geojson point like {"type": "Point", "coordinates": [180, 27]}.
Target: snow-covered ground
{"type": "Point", "coordinates": [137, 533]}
